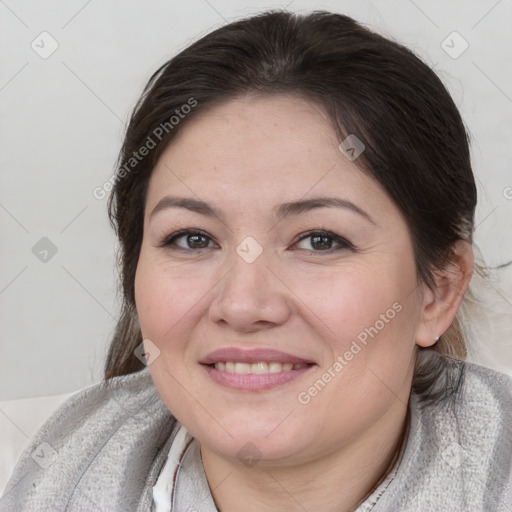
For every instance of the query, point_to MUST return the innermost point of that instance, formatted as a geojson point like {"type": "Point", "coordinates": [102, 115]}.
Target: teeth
{"type": "Point", "coordinates": [275, 367]}
{"type": "Point", "coordinates": [258, 368]}
{"type": "Point", "coordinates": [242, 368]}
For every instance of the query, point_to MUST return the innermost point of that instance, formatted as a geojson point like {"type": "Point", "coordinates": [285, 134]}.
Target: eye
{"type": "Point", "coordinates": [323, 241]}
{"type": "Point", "coordinates": [187, 239]}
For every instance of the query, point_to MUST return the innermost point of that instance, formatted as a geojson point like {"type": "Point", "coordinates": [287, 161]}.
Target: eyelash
{"type": "Point", "coordinates": [342, 242]}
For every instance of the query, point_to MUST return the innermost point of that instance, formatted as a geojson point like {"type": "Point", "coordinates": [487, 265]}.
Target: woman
{"type": "Point", "coordinates": [295, 205]}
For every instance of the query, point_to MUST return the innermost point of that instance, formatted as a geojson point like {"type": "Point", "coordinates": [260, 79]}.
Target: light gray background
{"type": "Point", "coordinates": [62, 121]}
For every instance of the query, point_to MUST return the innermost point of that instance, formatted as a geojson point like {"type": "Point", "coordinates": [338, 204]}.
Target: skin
{"type": "Point", "coordinates": [245, 157]}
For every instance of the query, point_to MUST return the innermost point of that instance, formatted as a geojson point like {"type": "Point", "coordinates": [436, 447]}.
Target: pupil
{"type": "Point", "coordinates": [321, 242]}
{"type": "Point", "coordinates": [195, 241]}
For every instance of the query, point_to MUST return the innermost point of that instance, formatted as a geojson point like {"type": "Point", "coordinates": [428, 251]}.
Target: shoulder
{"type": "Point", "coordinates": [469, 438]}
{"type": "Point", "coordinates": [475, 419]}
{"type": "Point", "coordinates": [478, 417]}
{"type": "Point", "coordinates": [458, 454]}
{"type": "Point", "coordinates": [105, 437]}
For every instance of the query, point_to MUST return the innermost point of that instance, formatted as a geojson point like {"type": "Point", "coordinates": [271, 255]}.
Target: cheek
{"type": "Point", "coordinates": [366, 318]}
{"type": "Point", "coordinates": [151, 298]}
{"type": "Point", "coordinates": [356, 304]}
{"type": "Point", "coordinates": [165, 299]}
{"type": "Point", "coordinates": [168, 306]}
{"type": "Point", "coordinates": [367, 325]}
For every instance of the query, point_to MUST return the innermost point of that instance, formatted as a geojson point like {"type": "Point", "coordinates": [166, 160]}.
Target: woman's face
{"type": "Point", "coordinates": [296, 258]}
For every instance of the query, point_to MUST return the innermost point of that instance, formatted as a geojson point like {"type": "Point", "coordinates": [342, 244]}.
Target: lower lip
{"type": "Point", "coordinates": [254, 381]}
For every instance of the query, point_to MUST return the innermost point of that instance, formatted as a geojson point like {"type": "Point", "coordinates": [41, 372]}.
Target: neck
{"type": "Point", "coordinates": [336, 482]}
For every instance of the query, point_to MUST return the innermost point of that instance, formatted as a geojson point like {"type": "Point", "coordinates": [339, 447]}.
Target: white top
{"type": "Point", "coordinates": [183, 478]}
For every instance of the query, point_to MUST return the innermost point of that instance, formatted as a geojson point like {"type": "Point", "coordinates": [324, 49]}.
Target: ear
{"type": "Point", "coordinates": [440, 304]}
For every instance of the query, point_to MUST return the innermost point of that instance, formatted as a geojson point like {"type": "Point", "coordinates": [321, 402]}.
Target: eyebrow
{"type": "Point", "coordinates": [194, 205]}
{"type": "Point", "coordinates": [281, 211]}
{"type": "Point", "coordinates": [304, 205]}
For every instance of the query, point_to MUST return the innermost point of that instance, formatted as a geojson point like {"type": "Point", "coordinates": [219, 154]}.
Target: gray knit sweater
{"type": "Point", "coordinates": [104, 448]}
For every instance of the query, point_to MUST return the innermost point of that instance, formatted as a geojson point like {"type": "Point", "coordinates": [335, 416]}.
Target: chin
{"type": "Point", "coordinates": [262, 440]}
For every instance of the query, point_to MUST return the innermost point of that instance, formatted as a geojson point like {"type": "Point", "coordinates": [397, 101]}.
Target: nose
{"type": "Point", "coordinates": [250, 297]}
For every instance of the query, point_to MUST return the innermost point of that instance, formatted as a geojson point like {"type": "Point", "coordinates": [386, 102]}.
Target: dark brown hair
{"type": "Point", "coordinates": [417, 147]}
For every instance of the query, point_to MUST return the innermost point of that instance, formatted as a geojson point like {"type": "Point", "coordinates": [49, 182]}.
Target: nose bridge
{"type": "Point", "coordinates": [249, 295]}
{"type": "Point", "coordinates": [248, 265]}
{"type": "Point", "coordinates": [246, 282]}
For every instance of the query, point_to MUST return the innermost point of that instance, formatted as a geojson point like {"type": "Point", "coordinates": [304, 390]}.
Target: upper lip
{"type": "Point", "coordinates": [252, 356]}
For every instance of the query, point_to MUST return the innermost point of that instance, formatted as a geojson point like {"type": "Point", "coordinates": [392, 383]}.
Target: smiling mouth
{"type": "Point", "coordinates": [254, 369]}
{"type": "Point", "coordinates": [255, 377]}
{"type": "Point", "coordinates": [259, 368]}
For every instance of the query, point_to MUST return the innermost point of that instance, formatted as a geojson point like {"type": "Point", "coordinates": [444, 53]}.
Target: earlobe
{"type": "Point", "coordinates": [440, 304]}
{"type": "Point", "coordinates": [427, 331]}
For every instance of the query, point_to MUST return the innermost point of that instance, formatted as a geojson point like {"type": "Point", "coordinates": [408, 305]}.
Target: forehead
{"type": "Point", "coordinates": [257, 150]}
